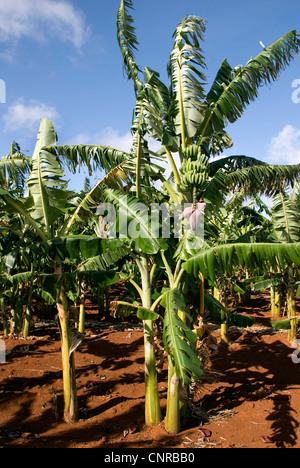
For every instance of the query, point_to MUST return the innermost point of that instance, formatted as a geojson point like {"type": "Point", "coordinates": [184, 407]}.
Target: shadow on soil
{"type": "Point", "coordinates": [255, 371]}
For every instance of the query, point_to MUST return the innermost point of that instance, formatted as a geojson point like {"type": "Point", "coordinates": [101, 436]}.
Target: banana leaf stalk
{"type": "Point", "coordinates": [202, 296]}
{"type": "Point", "coordinates": [291, 305]}
{"type": "Point", "coordinates": [224, 333]}
{"type": "Point", "coordinates": [69, 379]}
{"type": "Point", "coordinates": [152, 403]}
{"type": "Point", "coordinates": [16, 313]}
{"type": "Point", "coordinates": [219, 295]}
{"type": "Point", "coordinates": [177, 410]}
{"type": "Point", "coordinates": [275, 302]}
{"type": "Point", "coordinates": [4, 317]}
{"type": "Point", "coordinates": [81, 324]}
{"type": "Point", "coordinates": [172, 423]}
{"type": "Point", "coordinates": [26, 329]}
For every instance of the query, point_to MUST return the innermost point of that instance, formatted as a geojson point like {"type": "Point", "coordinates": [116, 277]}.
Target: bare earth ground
{"type": "Point", "coordinates": [255, 403]}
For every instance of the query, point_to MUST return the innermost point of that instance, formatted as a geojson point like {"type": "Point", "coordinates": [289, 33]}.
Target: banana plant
{"type": "Point", "coordinates": [285, 228]}
{"type": "Point", "coordinates": [184, 113]}
{"type": "Point", "coordinates": [190, 123]}
{"type": "Point", "coordinates": [150, 254]}
{"type": "Point", "coordinates": [285, 219]}
{"type": "Point", "coordinates": [13, 169]}
{"type": "Point", "coordinates": [224, 258]}
{"type": "Point", "coordinates": [133, 225]}
{"type": "Point", "coordinates": [47, 212]}
{"type": "Point", "coordinates": [291, 283]}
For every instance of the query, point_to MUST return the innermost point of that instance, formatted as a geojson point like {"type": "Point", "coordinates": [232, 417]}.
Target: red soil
{"type": "Point", "coordinates": [254, 404]}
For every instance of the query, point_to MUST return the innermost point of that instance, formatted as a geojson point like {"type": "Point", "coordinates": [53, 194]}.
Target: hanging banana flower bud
{"type": "Point", "coordinates": [194, 214]}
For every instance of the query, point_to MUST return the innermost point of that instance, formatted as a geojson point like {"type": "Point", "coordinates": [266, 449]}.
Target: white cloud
{"type": "Point", "coordinates": [112, 138]}
{"type": "Point", "coordinates": [41, 19]}
{"type": "Point", "coordinates": [107, 137]}
{"type": "Point", "coordinates": [26, 117]}
{"type": "Point", "coordinates": [285, 147]}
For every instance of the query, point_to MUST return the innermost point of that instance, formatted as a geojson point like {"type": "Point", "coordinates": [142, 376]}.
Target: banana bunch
{"type": "Point", "coordinates": [194, 170]}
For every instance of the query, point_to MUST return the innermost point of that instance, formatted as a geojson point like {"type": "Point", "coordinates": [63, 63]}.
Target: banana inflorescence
{"type": "Point", "coordinates": [194, 170]}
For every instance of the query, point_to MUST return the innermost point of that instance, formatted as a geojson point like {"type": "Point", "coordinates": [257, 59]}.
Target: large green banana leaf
{"type": "Point", "coordinates": [45, 183]}
{"type": "Point", "coordinates": [14, 167]}
{"type": "Point", "coordinates": [179, 339]}
{"type": "Point", "coordinates": [73, 247]}
{"type": "Point", "coordinates": [187, 78]}
{"type": "Point", "coordinates": [135, 224]}
{"type": "Point", "coordinates": [16, 205]}
{"type": "Point", "coordinates": [285, 217]}
{"type": "Point", "coordinates": [234, 88]}
{"type": "Point", "coordinates": [224, 259]}
{"type": "Point", "coordinates": [128, 42]}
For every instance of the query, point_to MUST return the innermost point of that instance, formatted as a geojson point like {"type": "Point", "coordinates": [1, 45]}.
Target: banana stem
{"type": "Point", "coordinates": [81, 324]}
{"type": "Point", "coordinates": [275, 302]}
{"type": "Point", "coordinates": [69, 381]}
{"type": "Point", "coordinates": [224, 333]}
{"type": "Point", "coordinates": [202, 295]}
{"type": "Point", "coordinates": [291, 305]}
{"type": "Point", "coordinates": [172, 423]}
{"type": "Point", "coordinates": [152, 403]}
{"type": "Point", "coordinates": [195, 197]}
{"type": "Point", "coordinates": [4, 317]}
{"type": "Point", "coordinates": [177, 411]}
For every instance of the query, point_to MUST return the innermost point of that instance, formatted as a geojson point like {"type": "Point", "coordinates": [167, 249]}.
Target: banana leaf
{"type": "Point", "coordinates": [179, 339]}
{"type": "Point", "coordinates": [225, 258]}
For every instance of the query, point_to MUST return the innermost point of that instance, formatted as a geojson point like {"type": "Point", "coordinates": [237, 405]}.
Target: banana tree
{"type": "Point", "coordinates": [151, 253]}
{"type": "Point", "coordinates": [134, 227]}
{"type": "Point", "coordinates": [190, 123]}
{"type": "Point", "coordinates": [184, 113]}
{"type": "Point", "coordinates": [224, 258]}
{"type": "Point", "coordinates": [285, 219]}
{"type": "Point", "coordinates": [14, 168]}
{"type": "Point", "coordinates": [47, 212]}
{"type": "Point", "coordinates": [286, 228]}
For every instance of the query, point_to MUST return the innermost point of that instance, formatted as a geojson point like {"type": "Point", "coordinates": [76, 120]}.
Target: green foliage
{"type": "Point", "coordinates": [225, 258]}
{"type": "Point", "coordinates": [285, 218]}
{"type": "Point", "coordinates": [124, 309]}
{"type": "Point", "coordinates": [284, 324]}
{"type": "Point", "coordinates": [234, 88]}
{"type": "Point", "coordinates": [45, 183]}
{"type": "Point", "coordinates": [134, 221]}
{"type": "Point", "coordinates": [218, 314]}
{"type": "Point", "coordinates": [186, 75]}
{"type": "Point", "coordinates": [179, 339]}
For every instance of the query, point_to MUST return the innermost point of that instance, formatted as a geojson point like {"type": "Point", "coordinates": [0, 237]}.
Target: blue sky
{"type": "Point", "coordinates": [60, 59]}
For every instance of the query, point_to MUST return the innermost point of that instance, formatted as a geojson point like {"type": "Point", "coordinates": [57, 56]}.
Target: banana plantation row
{"type": "Point", "coordinates": [55, 247]}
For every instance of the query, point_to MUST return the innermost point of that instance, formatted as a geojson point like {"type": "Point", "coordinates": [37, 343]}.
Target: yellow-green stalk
{"type": "Point", "coordinates": [152, 403]}
{"type": "Point", "coordinates": [68, 363]}
{"type": "Point", "coordinates": [172, 423]}
{"type": "Point", "coordinates": [291, 306]}
{"type": "Point", "coordinates": [275, 303]}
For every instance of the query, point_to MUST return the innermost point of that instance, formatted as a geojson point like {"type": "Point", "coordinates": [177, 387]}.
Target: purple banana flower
{"type": "Point", "coordinates": [194, 214]}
